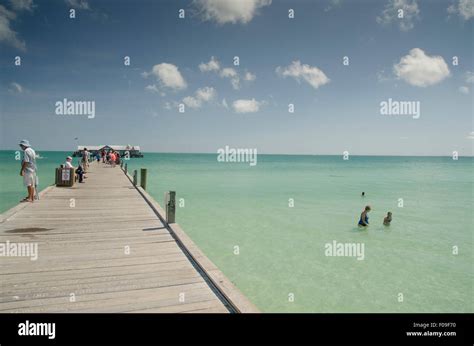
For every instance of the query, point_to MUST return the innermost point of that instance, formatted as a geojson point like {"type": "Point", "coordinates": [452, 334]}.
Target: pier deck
{"type": "Point", "coordinates": [103, 248]}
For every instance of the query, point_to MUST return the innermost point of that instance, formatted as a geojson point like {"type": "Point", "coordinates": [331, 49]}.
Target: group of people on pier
{"type": "Point", "coordinates": [110, 157]}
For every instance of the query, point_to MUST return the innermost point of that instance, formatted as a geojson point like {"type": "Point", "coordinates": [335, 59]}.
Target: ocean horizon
{"type": "Point", "coordinates": [268, 154]}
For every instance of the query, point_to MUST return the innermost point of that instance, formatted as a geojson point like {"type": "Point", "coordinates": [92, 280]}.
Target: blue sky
{"type": "Point", "coordinates": [282, 61]}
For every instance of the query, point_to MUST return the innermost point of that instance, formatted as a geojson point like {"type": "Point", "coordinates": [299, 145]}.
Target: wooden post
{"type": "Point", "coordinates": [170, 206]}
{"type": "Point", "coordinates": [135, 177]}
{"type": "Point", "coordinates": [143, 178]}
{"type": "Point", "coordinates": [126, 168]}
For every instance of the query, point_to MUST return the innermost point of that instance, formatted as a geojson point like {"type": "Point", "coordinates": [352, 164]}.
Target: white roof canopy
{"type": "Point", "coordinates": [115, 147]}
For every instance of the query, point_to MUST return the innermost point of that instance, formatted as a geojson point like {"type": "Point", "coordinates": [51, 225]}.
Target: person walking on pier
{"type": "Point", "coordinates": [107, 157]}
{"type": "Point", "coordinates": [28, 170]}
{"type": "Point", "coordinates": [85, 159]}
{"type": "Point", "coordinates": [113, 158]}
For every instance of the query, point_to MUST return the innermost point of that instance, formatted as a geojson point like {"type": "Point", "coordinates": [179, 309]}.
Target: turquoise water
{"type": "Point", "coordinates": [282, 249]}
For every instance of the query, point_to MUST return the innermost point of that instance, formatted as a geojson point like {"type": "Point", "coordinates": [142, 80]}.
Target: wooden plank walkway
{"type": "Point", "coordinates": [108, 253]}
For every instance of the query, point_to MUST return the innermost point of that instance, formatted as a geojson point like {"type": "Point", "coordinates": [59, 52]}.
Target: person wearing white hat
{"type": "Point", "coordinates": [68, 163]}
{"type": "Point", "coordinates": [79, 171]}
{"type": "Point", "coordinates": [28, 169]}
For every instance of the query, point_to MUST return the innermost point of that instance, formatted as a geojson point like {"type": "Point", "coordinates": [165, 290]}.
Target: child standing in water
{"type": "Point", "coordinates": [387, 219]}
{"type": "Point", "coordinates": [364, 218]}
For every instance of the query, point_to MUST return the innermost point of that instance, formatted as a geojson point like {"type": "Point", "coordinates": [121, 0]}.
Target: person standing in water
{"type": "Point", "coordinates": [363, 194]}
{"type": "Point", "coordinates": [364, 218]}
{"type": "Point", "coordinates": [387, 219]}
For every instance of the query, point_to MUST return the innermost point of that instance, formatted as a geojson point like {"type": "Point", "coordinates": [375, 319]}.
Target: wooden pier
{"type": "Point", "coordinates": [103, 246]}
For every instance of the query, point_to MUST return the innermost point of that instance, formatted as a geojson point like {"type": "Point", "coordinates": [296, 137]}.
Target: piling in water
{"type": "Point", "coordinates": [143, 172]}
{"type": "Point", "coordinates": [135, 177]}
{"type": "Point", "coordinates": [170, 206]}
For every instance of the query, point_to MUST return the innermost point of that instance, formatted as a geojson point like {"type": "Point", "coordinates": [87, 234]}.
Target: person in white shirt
{"type": "Point", "coordinates": [28, 170]}
{"type": "Point", "coordinates": [68, 163]}
{"type": "Point", "coordinates": [78, 170]}
{"type": "Point", "coordinates": [85, 159]}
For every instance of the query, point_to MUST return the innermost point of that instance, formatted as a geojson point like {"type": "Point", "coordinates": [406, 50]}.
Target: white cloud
{"type": "Point", "coordinates": [78, 4]}
{"type": "Point", "coordinates": [168, 75]}
{"type": "Point", "coordinates": [192, 102]}
{"type": "Point", "coordinates": [470, 135]}
{"type": "Point", "coordinates": [205, 94]}
{"type": "Point", "coordinates": [235, 83]}
{"type": "Point", "coordinates": [230, 11]}
{"type": "Point", "coordinates": [201, 96]}
{"type": "Point", "coordinates": [463, 8]}
{"type": "Point", "coordinates": [469, 78]}
{"type": "Point", "coordinates": [228, 72]}
{"type": "Point", "coordinates": [212, 65]}
{"type": "Point", "coordinates": [391, 14]}
{"type": "Point", "coordinates": [333, 4]}
{"type": "Point", "coordinates": [382, 76]}
{"type": "Point", "coordinates": [464, 90]}
{"type": "Point", "coordinates": [20, 5]}
{"type": "Point", "coordinates": [249, 76]}
{"type": "Point", "coordinates": [232, 74]}
{"type": "Point", "coordinates": [152, 88]}
{"type": "Point", "coordinates": [421, 70]}
{"type": "Point", "coordinates": [16, 88]}
{"type": "Point", "coordinates": [246, 106]}
{"type": "Point", "coordinates": [224, 103]}
{"type": "Point", "coordinates": [310, 74]}
{"type": "Point", "coordinates": [7, 35]}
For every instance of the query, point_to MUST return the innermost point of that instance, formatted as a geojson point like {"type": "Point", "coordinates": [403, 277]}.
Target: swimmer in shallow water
{"type": "Point", "coordinates": [363, 194]}
{"type": "Point", "coordinates": [387, 219]}
{"type": "Point", "coordinates": [364, 218]}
